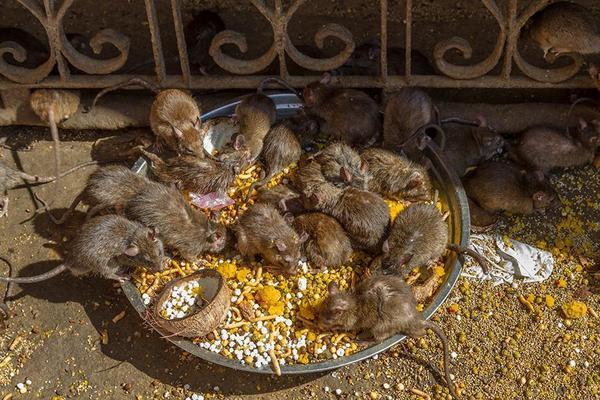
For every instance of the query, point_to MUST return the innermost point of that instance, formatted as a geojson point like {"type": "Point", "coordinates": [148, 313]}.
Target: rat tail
{"type": "Point", "coordinates": [37, 278]}
{"type": "Point", "coordinates": [47, 179]}
{"type": "Point", "coordinates": [470, 252]}
{"type": "Point", "coordinates": [133, 81]}
{"type": "Point", "coordinates": [261, 86]}
{"type": "Point", "coordinates": [66, 214]}
{"type": "Point", "coordinates": [422, 131]}
{"type": "Point", "coordinates": [154, 159]}
{"type": "Point", "coordinates": [436, 329]}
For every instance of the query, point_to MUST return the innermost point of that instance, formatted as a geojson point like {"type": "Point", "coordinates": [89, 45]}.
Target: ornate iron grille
{"type": "Point", "coordinates": [100, 73]}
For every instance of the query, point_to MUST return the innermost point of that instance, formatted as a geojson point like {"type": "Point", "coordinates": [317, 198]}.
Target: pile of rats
{"type": "Point", "coordinates": [334, 202]}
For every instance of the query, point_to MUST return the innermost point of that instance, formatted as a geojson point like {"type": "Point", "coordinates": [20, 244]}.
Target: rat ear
{"type": "Point", "coordinates": [364, 166]}
{"type": "Point", "coordinates": [152, 233]}
{"type": "Point", "coordinates": [385, 248]}
{"type": "Point", "coordinates": [325, 78]}
{"type": "Point", "coordinates": [582, 124]}
{"type": "Point", "coordinates": [345, 175]}
{"type": "Point", "coordinates": [303, 237]}
{"type": "Point", "coordinates": [239, 142]}
{"type": "Point", "coordinates": [288, 217]}
{"type": "Point", "coordinates": [333, 288]}
{"type": "Point", "coordinates": [539, 175]}
{"type": "Point", "coordinates": [280, 245]}
{"type": "Point", "coordinates": [539, 196]}
{"type": "Point", "coordinates": [132, 250]}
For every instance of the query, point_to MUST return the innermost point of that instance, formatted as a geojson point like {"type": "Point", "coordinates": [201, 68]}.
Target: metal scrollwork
{"type": "Point", "coordinates": [464, 47]}
{"type": "Point", "coordinates": [60, 46]}
{"type": "Point", "coordinates": [553, 75]}
{"type": "Point", "coordinates": [279, 21]}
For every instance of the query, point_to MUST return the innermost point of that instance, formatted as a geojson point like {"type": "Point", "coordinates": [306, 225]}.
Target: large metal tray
{"type": "Point", "coordinates": [453, 196]}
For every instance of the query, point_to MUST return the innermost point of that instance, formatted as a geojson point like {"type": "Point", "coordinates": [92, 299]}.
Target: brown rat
{"type": "Point", "coordinates": [182, 228]}
{"type": "Point", "coordinates": [546, 148]}
{"type": "Point", "coordinates": [175, 118]}
{"type": "Point", "coordinates": [364, 215]}
{"type": "Point", "coordinates": [263, 230]}
{"type": "Point", "coordinates": [201, 175]}
{"type": "Point", "coordinates": [348, 114]}
{"type": "Point", "coordinates": [381, 306]}
{"type": "Point", "coordinates": [343, 166]}
{"type": "Point", "coordinates": [282, 197]}
{"type": "Point", "coordinates": [328, 244]}
{"type": "Point", "coordinates": [396, 177]}
{"type": "Point", "coordinates": [564, 27]}
{"type": "Point", "coordinates": [497, 187]}
{"type": "Point", "coordinates": [408, 114]}
{"type": "Point", "coordinates": [281, 148]}
{"type": "Point", "coordinates": [107, 246]}
{"type": "Point", "coordinates": [54, 106]}
{"type": "Point", "coordinates": [418, 237]}
{"type": "Point", "coordinates": [110, 187]}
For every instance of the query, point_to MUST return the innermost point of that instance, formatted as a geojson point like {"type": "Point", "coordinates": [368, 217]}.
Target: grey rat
{"type": "Point", "coordinates": [175, 118]}
{"type": "Point", "coordinates": [182, 228]}
{"type": "Point", "coordinates": [407, 116]}
{"type": "Point", "coordinates": [497, 186]}
{"type": "Point", "coordinates": [396, 177]}
{"type": "Point", "coordinates": [107, 246]}
{"type": "Point", "coordinates": [418, 237]}
{"type": "Point", "coordinates": [201, 175]}
{"type": "Point", "coordinates": [348, 114]}
{"type": "Point", "coordinates": [110, 187]}
{"type": "Point", "coordinates": [546, 148]}
{"type": "Point", "coordinates": [343, 166]}
{"type": "Point", "coordinates": [364, 215]}
{"type": "Point", "coordinates": [54, 106]}
{"type": "Point", "coordinates": [282, 197]}
{"type": "Point", "coordinates": [564, 27]}
{"type": "Point", "coordinates": [467, 146]}
{"type": "Point", "coordinates": [381, 306]}
{"type": "Point", "coordinates": [328, 244]}
{"type": "Point", "coordinates": [263, 230]}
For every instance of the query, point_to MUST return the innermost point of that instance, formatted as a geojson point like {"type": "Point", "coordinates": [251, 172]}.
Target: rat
{"type": "Point", "coordinates": [481, 220]}
{"type": "Point", "coordinates": [182, 228]}
{"type": "Point", "coordinates": [280, 149]}
{"type": "Point", "coordinates": [546, 148]}
{"type": "Point", "coordinates": [175, 118]}
{"type": "Point", "coordinates": [348, 115]}
{"type": "Point", "coordinates": [202, 175]}
{"type": "Point", "coordinates": [408, 114]}
{"type": "Point", "coordinates": [107, 246]}
{"type": "Point", "coordinates": [365, 60]}
{"type": "Point", "coordinates": [54, 106]}
{"type": "Point", "coordinates": [263, 230]}
{"type": "Point", "coordinates": [343, 166]}
{"type": "Point", "coordinates": [110, 187]}
{"type": "Point", "coordinates": [364, 215]}
{"type": "Point", "coordinates": [564, 27]}
{"type": "Point", "coordinates": [467, 146]}
{"type": "Point", "coordinates": [396, 177]}
{"type": "Point", "coordinates": [497, 186]}
{"type": "Point", "coordinates": [328, 244]}
{"type": "Point", "coordinates": [199, 33]}
{"type": "Point", "coordinates": [282, 197]}
{"type": "Point", "coordinates": [256, 113]}
{"type": "Point", "coordinates": [419, 236]}
{"type": "Point", "coordinates": [381, 306]}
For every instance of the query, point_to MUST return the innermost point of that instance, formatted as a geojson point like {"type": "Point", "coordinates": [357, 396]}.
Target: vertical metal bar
{"type": "Point", "coordinates": [52, 29]}
{"type": "Point", "coordinates": [513, 37]}
{"type": "Point", "coordinates": [279, 23]}
{"type": "Point", "coordinates": [408, 40]}
{"type": "Point", "coordinates": [181, 45]}
{"type": "Point", "coordinates": [159, 60]}
{"type": "Point", "coordinates": [384, 41]}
